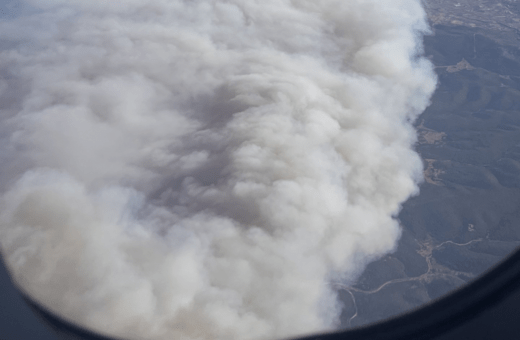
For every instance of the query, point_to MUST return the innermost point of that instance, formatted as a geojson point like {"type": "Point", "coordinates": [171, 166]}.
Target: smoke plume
{"type": "Point", "coordinates": [203, 169]}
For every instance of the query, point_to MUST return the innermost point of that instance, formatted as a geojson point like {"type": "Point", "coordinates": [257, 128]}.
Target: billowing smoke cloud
{"type": "Point", "coordinates": [202, 169]}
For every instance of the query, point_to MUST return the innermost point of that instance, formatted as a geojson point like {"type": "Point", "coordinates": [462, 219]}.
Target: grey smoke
{"type": "Point", "coordinates": [202, 170]}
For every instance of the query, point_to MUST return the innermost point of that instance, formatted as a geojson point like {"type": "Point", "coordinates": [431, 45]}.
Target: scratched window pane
{"type": "Point", "coordinates": [255, 170]}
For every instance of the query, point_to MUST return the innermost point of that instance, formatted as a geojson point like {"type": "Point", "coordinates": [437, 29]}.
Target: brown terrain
{"type": "Point", "coordinates": [501, 15]}
{"type": "Point", "coordinates": [467, 215]}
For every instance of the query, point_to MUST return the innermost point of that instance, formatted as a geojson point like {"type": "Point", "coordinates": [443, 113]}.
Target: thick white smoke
{"type": "Point", "coordinates": [179, 169]}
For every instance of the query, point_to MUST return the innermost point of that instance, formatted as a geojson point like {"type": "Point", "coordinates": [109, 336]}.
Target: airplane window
{"type": "Point", "coordinates": [246, 170]}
